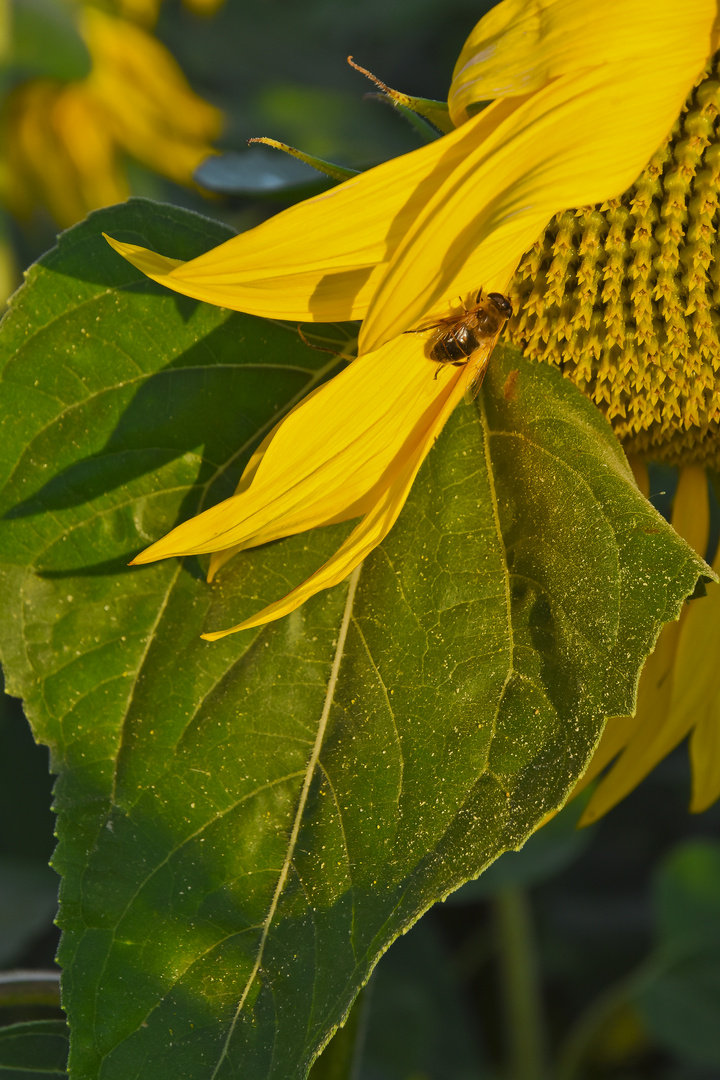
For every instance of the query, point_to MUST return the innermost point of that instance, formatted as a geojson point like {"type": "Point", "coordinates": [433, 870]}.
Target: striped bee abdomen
{"type": "Point", "coordinates": [455, 346]}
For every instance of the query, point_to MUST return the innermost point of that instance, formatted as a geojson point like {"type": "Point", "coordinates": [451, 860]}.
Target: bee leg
{"type": "Point", "coordinates": [318, 348]}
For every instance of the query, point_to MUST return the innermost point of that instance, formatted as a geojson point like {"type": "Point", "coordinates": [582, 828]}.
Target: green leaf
{"type": "Point", "coordinates": [224, 896]}
{"type": "Point", "coordinates": [33, 1051]}
{"type": "Point", "coordinates": [546, 853]}
{"type": "Point", "coordinates": [679, 994]}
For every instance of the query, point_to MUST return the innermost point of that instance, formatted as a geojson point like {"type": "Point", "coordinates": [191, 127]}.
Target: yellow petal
{"type": "Point", "coordinates": [696, 693]}
{"type": "Point", "coordinates": [59, 152]}
{"type": "Point", "coordinates": [640, 472]}
{"type": "Point", "coordinates": [572, 141]}
{"type": "Point", "coordinates": [320, 260]}
{"type": "Point", "coordinates": [691, 508]}
{"type": "Point", "coordinates": [705, 757]}
{"type": "Point", "coordinates": [676, 675]}
{"type": "Point", "coordinates": [150, 108]}
{"type": "Point", "coordinates": [521, 45]}
{"type": "Point", "coordinates": [373, 528]}
{"type": "Point", "coordinates": [647, 738]}
{"type": "Point", "coordinates": [409, 236]}
{"type": "Point", "coordinates": [618, 731]}
{"type": "Point", "coordinates": [219, 558]}
{"type": "Point", "coordinates": [148, 262]}
{"type": "Point", "coordinates": [334, 456]}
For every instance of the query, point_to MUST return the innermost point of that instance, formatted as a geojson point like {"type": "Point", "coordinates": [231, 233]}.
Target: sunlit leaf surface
{"type": "Point", "coordinates": [245, 826]}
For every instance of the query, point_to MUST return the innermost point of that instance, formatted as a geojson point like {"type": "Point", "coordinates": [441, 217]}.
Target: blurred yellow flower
{"type": "Point", "coordinates": [395, 245]}
{"type": "Point", "coordinates": [64, 142]}
{"type": "Point", "coordinates": [146, 11]}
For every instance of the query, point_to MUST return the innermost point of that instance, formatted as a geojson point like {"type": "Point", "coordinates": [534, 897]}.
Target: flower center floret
{"type": "Point", "coordinates": [624, 295]}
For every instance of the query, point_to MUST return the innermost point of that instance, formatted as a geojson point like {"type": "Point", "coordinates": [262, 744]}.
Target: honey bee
{"type": "Point", "coordinates": [469, 336]}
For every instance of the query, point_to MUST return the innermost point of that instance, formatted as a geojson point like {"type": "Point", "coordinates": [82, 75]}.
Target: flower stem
{"type": "Point", "coordinates": [524, 1029]}
{"type": "Point", "coordinates": [30, 988]}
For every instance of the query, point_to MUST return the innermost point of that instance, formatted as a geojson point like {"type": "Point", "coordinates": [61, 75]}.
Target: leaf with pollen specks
{"type": "Point", "coordinates": [245, 826]}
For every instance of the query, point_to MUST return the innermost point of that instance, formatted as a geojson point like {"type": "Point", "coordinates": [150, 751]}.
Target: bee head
{"type": "Point", "coordinates": [502, 303]}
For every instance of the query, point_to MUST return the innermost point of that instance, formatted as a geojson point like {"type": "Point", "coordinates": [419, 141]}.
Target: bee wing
{"type": "Point", "coordinates": [447, 323]}
{"type": "Point", "coordinates": [478, 366]}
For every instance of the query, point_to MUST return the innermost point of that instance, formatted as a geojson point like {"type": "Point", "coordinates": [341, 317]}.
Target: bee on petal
{"type": "Point", "coordinates": [468, 337]}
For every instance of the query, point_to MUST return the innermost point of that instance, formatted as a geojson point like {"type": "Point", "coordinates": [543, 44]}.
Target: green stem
{"type": "Point", "coordinates": [30, 988]}
{"type": "Point", "coordinates": [524, 1029]}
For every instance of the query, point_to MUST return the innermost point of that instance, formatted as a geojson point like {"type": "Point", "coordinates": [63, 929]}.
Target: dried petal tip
{"type": "Point", "coordinates": [435, 111]}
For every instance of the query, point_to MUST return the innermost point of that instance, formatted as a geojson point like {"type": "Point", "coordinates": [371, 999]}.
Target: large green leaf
{"type": "Point", "coordinates": [33, 1051]}
{"type": "Point", "coordinates": [245, 826]}
{"type": "Point", "coordinates": [546, 854]}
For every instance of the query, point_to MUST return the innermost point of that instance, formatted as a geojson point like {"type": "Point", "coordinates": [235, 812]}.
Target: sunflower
{"type": "Point", "coordinates": [623, 296]}
{"type": "Point", "coordinates": [395, 245]}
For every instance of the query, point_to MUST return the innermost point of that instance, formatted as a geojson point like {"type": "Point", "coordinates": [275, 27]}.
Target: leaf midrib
{"type": "Point", "coordinates": [302, 801]}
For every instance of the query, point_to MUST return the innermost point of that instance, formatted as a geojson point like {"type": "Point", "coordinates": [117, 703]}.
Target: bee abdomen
{"type": "Point", "coordinates": [455, 346]}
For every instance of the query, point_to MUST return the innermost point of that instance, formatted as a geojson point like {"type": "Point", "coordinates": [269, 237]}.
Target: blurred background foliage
{"type": "Point", "coordinates": [591, 953]}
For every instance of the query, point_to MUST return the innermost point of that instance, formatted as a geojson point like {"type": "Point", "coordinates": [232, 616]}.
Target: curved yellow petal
{"type": "Point", "coordinates": [691, 508]}
{"type": "Point", "coordinates": [696, 693]}
{"type": "Point", "coordinates": [373, 528]}
{"type": "Point", "coordinates": [219, 558]}
{"type": "Point", "coordinates": [148, 105]}
{"type": "Point", "coordinates": [617, 733]}
{"type": "Point", "coordinates": [644, 739]}
{"type": "Point", "coordinates": [333, 457]}
{"type": "Point", "coordinates": [677, 686]}
{"type": "Point", "coordinates": [705, 757]}
{"type": "Point", "coordinates": [573, 142]}
{"type": "Point", "coordinates": [148, 262]}
{"type": "Point", "coordinates": [322, 259]}
{"type": "Point", "coordinates": [409, 236]}
{"type": "Point", "coordinates": [520, 45]}
{"type": "Point", "coordinates": [640, 472]}
{"type": "Point", "coordinates": [58, 152]}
